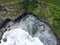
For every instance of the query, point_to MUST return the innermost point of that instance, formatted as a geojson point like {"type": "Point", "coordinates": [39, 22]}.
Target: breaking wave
{"type": "Point", "coordinates": [19, 36]}
{"type": "Point", "coordinates": [29, 30]}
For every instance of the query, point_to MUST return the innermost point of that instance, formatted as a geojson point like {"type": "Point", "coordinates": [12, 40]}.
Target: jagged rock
{"type": "Point", "coordinates": [4, 22]}
{"type": "Point", "coordinates": [3, 26]}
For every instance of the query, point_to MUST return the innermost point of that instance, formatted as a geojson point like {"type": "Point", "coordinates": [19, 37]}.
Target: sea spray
{"type": "Point", "coordinates": [18, 36]}
{"type": "Point", "coordinates": [31, 31]}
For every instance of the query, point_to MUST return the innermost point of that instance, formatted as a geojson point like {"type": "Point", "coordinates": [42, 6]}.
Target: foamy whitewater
{"type": "Point", "coordinates": [19, 36]}
{"type": "Point", "coordinates": [29, 31]}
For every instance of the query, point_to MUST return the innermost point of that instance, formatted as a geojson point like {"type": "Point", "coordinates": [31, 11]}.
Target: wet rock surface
{"type": "Point", "coordinates": [34, 26]}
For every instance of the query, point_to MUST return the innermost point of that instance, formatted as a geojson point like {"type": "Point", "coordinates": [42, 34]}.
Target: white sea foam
{"type": "Point", "coordinates": [29, 31]}
{"type": "Point", "coordinates": [18, 36]}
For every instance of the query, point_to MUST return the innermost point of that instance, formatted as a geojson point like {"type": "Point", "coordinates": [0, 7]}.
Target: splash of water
{"type": "Point", "coordinates": [18, 36]}
{"type": "Point", "coordinates": [29, 31]}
